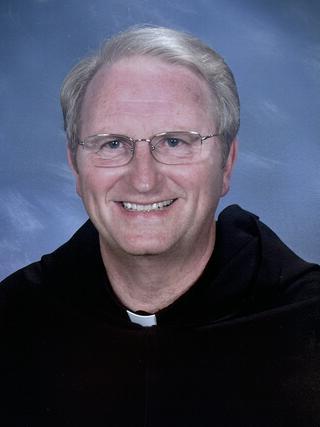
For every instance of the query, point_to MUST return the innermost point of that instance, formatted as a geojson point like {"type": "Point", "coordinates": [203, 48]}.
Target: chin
{"type": "Point", "coordinates": [144, 250]}
{"type": "Point", "coordinates": [143, 247]}
{"type": "Point", "coordinates": [147, 242]}
{"type": "Point", "coordinates": [144, 254]}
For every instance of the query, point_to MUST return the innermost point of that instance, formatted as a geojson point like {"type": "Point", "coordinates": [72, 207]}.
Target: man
{"type": "Point", "coordinates": [154, 314]}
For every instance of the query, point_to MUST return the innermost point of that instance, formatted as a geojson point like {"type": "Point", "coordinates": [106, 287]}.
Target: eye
{"type": "Point", "coordinates": [173, 142]}
{"type": "Point", "coordinates": [111, 145]}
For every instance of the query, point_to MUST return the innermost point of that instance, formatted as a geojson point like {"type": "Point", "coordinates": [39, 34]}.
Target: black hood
{"type": "Point", "coordinates": [250, 271]}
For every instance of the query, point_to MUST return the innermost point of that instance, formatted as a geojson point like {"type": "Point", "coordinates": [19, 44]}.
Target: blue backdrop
{"type": "Point", "coordinates": [273, 48]}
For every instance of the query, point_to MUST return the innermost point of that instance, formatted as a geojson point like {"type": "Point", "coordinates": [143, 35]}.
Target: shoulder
{"type": "Point", "coordinates": [276, 271]}
{"type": "Point", "coordinates": [57, 272]}
{"type": "Point", "coordinates": [18, 290]}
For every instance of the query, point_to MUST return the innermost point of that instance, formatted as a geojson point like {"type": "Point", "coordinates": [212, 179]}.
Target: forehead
{"type": "Point", "coordinates": [144, 86]}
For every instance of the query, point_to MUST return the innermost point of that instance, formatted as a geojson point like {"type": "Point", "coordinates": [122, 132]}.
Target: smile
{"type": "Point", "coordinates": [147, 208]}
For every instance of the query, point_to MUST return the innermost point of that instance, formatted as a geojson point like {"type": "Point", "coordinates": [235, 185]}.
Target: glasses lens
{"type": "Point", "coordinates": [115, 150]}
{"type": "Point", "coordinates": [176, 147]}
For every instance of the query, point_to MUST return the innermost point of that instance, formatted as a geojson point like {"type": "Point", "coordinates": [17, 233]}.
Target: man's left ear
{"type": "Point", "coordinates": [228, 167]}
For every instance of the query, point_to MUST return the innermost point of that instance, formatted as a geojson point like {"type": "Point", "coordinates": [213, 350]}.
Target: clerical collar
{"type": "Point", "coordinates": [145, 320]}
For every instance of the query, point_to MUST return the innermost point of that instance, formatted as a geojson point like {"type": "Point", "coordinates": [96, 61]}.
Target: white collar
{"type": "Point", "coordinates": [143, 320]}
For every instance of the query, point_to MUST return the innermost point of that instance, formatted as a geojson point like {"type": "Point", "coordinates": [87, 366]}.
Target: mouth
{"type": "Point", "coordinates": [137, 207]}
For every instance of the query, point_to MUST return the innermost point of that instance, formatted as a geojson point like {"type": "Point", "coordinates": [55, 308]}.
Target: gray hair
{"type": "Point", "coordinates": [171, 46]}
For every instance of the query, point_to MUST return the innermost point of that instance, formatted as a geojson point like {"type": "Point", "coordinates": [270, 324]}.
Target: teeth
{"type": "Point", "coordinates": [146, 208]}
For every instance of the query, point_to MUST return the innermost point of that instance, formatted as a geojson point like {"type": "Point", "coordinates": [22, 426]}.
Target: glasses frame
{"type": "Point", "coordinates": [148, 140]}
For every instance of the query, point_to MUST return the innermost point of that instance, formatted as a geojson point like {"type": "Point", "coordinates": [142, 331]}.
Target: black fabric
{"type": "Point", "coordinates": [240, 348]}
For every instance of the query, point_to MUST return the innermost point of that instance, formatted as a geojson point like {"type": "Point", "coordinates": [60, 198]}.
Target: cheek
{"type": "Point", "coordinates": [94, 183]}
{"type": "Point", "coordinates": [210, 180]}
{"type": "Point", "coordinates": [88, 183]}
{"type": "Point", "coordinates": [211, 189]}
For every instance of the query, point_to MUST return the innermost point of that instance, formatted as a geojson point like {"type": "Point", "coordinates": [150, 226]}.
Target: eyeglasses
{"type": "Point", "coordinates": [171, 148]}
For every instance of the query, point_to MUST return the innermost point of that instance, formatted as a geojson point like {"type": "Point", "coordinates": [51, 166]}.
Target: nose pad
{"type": "Point", "coordinates": [150, 147]}
{"type": "Point", "coordinates": [144, 173]}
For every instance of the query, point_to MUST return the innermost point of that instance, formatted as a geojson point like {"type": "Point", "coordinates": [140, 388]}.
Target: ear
{"type": "Point", "coordinates": [228, 167]}
{"type": "Point", "coordinates": [74, 169]}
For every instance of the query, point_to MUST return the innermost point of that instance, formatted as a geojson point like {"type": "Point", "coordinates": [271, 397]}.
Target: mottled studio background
{"type": "Point", "coordinates": [273, 47]}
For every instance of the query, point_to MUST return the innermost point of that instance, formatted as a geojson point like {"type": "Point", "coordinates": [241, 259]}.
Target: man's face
{"type": "Point", "coordinates": [140, 97]}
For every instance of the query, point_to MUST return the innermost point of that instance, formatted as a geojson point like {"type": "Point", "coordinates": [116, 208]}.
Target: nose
{"type": "Point", "coordinates": [144, 174]}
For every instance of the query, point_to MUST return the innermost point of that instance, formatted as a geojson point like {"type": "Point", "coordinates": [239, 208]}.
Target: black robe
{"type": "Point", "coordinates": [240, 348]}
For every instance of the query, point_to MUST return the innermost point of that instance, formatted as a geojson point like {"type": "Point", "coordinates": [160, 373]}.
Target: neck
{"type": "Point", "coordinates": [152, 282]}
